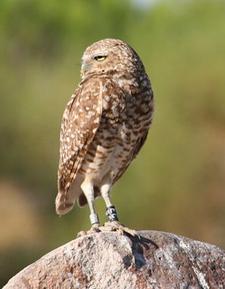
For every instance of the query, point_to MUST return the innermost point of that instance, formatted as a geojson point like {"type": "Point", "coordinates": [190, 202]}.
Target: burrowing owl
{"type": "Point", "coordinates": [103, 127]}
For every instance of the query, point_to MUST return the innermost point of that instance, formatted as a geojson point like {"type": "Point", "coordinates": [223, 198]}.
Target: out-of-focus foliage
{"type": "Point", "coordinates": [177, 182]}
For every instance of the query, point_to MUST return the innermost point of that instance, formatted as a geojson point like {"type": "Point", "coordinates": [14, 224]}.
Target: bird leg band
{"type": "Point", "coordinates": [94, 219]}
{"type": "Point", "coordinates": [111, 213]}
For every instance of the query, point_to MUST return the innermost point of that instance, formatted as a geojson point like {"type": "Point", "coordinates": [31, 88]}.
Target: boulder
{"type": "Point", "coordinates": [109, 260]}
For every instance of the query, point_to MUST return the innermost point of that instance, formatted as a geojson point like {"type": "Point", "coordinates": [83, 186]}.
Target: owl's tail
{"type": "Point", "coordinates": [65, 201]}
{"type": "Point", "coordinates": [62, 204]}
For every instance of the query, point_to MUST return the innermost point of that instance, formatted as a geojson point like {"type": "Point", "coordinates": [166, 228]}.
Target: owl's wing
{"type": "Point", "coordinates": [140, 142]}
{"type": "Point", "coordinates": [80, 122]}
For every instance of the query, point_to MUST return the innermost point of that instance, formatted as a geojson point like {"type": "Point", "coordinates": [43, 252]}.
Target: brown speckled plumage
{"type": "Point", "coordinates": [105, 123]}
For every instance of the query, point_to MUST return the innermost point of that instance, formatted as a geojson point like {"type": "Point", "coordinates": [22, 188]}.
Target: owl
{"type": "Point", "coordinates": [104, 126]}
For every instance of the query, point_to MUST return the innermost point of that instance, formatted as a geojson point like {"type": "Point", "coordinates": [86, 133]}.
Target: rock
{"type": "Point", "coordinates": [109, 260]}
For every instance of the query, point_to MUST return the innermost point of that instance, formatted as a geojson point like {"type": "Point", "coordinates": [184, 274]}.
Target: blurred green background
{"type": "Point", "coordinates": [177, 182]}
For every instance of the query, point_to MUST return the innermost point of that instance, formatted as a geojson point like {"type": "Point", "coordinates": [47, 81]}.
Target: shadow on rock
{"type": "Point", "coordinates": [139, 245]}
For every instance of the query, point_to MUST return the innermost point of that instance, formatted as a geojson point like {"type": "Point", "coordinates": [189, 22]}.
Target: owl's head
{"type": "Point", "coordinates": [109, 56]}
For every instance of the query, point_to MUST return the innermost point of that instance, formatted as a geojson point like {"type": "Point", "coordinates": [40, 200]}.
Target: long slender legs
{"type": "Point", "coordinates": [113, 224]}
{"type": "Point", "coordinates": [110, 209]}
{"type": "Point", "coordinates": [88, 190]}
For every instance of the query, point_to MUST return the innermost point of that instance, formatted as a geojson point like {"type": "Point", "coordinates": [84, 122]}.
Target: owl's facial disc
{"type": "Point", "coordinates": [93, 62]}
{"type": "Point", "coordinates": [85, 66]}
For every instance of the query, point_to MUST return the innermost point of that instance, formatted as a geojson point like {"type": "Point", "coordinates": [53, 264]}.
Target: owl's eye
{"type": "Point", "coordinates": [100, 57]}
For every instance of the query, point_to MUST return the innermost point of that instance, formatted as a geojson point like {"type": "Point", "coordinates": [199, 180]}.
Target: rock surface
{"type": "Point", "coordinates": [108, 260]}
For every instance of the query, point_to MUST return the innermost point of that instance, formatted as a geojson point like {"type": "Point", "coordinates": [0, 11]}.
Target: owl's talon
{"type": "Point", "coordinates": [81, 234]}
{"type": "Point", "coordinates": [94, 229]}
{"type": "Point", "coordinates": [121, 229]}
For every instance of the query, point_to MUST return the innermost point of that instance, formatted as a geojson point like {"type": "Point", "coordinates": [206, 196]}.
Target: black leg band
{"type": "Point", "coordinates": [111, 214]}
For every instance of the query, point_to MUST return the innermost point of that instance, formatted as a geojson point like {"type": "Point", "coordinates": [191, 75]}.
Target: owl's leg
{"type": "Point", "coordinates": [113, 224]}
{"type": "Point", "coordinates": [110, 209]}
{"type": "Point", "coordinates": [88, 190]}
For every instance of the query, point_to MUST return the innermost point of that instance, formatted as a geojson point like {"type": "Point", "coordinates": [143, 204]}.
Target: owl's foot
{"type": "Point", "coordinates": [116, 226]}
{"type": "Point", "coordinates": [94, 229]}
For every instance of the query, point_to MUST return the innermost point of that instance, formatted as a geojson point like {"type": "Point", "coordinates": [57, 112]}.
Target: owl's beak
{"type": "Point", "coordinates": [84, 68]}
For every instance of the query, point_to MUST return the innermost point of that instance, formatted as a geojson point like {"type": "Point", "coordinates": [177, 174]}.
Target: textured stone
{"type": "Point", "coordinates": [156, 260]}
